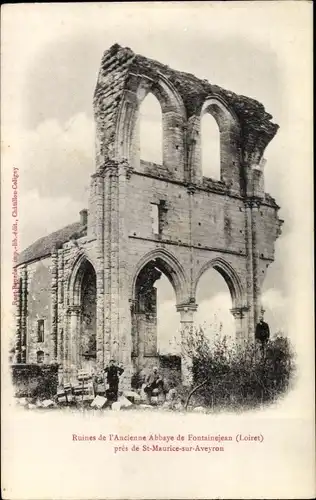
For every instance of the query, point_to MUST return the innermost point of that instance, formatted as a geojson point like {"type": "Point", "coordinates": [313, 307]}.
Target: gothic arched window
{"type": "Point", "coordinates": [150, 130]}
{"type": "Point", "coordinates": [210, 147]}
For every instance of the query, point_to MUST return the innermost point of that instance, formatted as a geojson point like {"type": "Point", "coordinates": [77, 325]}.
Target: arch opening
{"type": "Point", "coordinates": [150, 124]}
{"type": "Point", "coordinates": [85, 295]}
{"type": "Point", "coordinates": [155, 320]}
{"type": "Point", "coordinates": [150, 130]}
{"type": "Point", "coordinates": [210, 147]}
{"type": "Point", "coordinates": [215, 150]}
{"type": "Point", "coordinates": [215, 302]}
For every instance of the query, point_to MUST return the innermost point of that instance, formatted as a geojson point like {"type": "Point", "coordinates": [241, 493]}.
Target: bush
{"type": "Point", "coordinates": [31, 380]}
{"type": "Point", "coordinates": [240, 375]}
{"type": "Point", "coordinates": [170, 369]}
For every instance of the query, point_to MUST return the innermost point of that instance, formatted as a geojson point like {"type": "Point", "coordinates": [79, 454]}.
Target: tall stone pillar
{"type": "Point", "coordinates": [187, 327]}
{"type": "Point", "coordinates": [54, 307]}
{"type": "Point", "coordinates": [66, 347]}
{"type": "Point", "coordinates": [257, 306]}
{"type": "Point", "coordinates": [114, 260]}
{"type": "Point", "coordinates": [117, 317]}
{"type": "Point", "coordinates": [249, 264]}
{"type": "Point", "coordinates": [255, 194]}
{"type": "Point", "coordinates": [60, 308]}
{"type": "Point", "coordinates": [74, 341]}
{"type": "Point", "coordinates": [101, 345]}
{"type": "Point", "coordinates": [111, 262]}
{"type": "Point", "coordinates": [125, 319]}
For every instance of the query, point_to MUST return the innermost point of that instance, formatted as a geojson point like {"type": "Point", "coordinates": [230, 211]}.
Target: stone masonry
{"type": "Point", "coordinates": [230, 225]}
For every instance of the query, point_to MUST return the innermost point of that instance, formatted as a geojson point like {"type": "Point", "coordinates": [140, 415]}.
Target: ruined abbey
{"type": "Point", "coordinates": [87, 290]}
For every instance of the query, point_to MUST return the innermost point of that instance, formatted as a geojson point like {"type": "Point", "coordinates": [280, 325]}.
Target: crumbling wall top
{"type": "Point", "coordinates": [118, 67]}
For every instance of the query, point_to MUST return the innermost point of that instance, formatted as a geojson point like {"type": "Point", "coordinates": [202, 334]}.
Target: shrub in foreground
{"type": "Point", "coordinates": [229, 374]}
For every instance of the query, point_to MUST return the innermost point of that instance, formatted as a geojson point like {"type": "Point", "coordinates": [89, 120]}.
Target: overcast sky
{"type": "Point", "coordinates": [52, 54]}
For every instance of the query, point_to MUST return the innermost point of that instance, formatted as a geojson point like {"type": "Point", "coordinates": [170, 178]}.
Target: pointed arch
{"type": "Point", "coordinates": [210, 147]}
{"type": "Point", "coordinates": [81, 338]}
{"type": "Point", "coordinates": [224, 116]}
{"type": "Point", "coordinates": [166, 263]}
{"type": "Point", "coordinates": [78, 270]}
{"type": "Point", "coordinates": [173, 120]}
{"type": "Point", "coordinates": [230, 276]}
{"type": "Point", "coordinates": [229, 136]}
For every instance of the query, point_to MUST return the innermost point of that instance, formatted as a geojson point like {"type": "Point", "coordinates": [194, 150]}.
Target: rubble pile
{"type": "Point", "coordinates": [83, 396]}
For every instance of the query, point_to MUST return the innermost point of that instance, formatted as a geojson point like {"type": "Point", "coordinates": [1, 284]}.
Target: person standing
{"type": "Point", "coordinates": [262, 334]}
{"type": "Point", "coordinates": [113, 373]}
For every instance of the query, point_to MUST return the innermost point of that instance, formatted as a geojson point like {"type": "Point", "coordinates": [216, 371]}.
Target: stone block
{"type": "Point", "coordinates": [132, 396]}
{"type": "Point", "coordinates": [98, 402]}
{"type": "Point", "coordinates": [48, 403]}
{"type": "Point", "coordinates": [61, 399]}
{"type": "Point", "coordinates": [116, 406]}
{"type": "Point", "coordinates": [88, 397]}
{"type": "Point", "coordinates": [124, 402]}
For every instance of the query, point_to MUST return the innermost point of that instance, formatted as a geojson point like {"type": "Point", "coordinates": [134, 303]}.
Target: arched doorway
{"type": "Point", "coordinates": [83, 317]}
{"type": "Point", "coordinates": [87, 335]}
{"type": "Point", "coordinates": [155, 319]}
